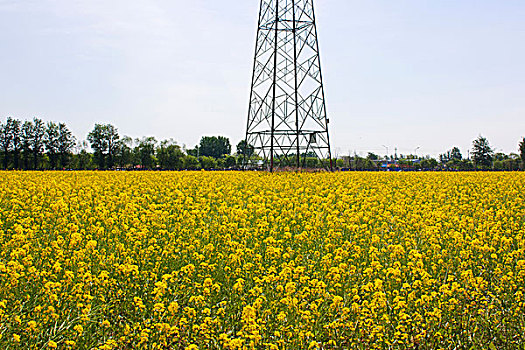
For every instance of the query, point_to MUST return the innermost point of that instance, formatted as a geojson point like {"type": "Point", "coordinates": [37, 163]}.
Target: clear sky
{"type": "Point", "coordinates": [407, 73]}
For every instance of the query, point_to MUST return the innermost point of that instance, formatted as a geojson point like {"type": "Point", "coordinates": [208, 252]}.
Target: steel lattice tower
{"type": "Point", "coordinates": [287, 118]}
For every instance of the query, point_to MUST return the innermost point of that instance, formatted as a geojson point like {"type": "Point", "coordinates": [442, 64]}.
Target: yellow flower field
{"type": "Point", "coordinates": [260, 261]}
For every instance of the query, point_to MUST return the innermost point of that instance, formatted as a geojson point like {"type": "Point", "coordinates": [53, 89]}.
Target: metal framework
{"type": "Point", "coordinates": [287, 120]}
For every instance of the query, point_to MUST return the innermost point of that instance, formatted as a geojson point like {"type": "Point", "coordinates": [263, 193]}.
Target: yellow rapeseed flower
{"type": "Point", "coordinates": [240, 260]}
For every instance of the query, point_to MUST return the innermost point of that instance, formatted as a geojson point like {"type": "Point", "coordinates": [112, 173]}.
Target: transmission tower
{"type": "Point", "coordinates": [287, 120]}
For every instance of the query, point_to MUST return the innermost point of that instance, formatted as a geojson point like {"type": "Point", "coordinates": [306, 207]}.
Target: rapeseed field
{"type": "Point", "coordinates": [198, 260]}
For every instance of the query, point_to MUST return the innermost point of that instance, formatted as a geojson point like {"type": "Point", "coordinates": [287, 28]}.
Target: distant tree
{"type": "Point", "coordinates": [455, 154]}
{"type": "Point", "coordinates": [500, 156]}
{"type": "Point", "coordinates": [66, 142]}
{"type": "Point", "coordinates": [312, 163]}
{"type": "Point", "coordinates": [429, 164]}
{"type": "Point", "coordinates": [309, 154]}
{"type": "Point", "coordinates": [83, 158]}
{"type": "Point", "coordinates": [358, 163]}
{"type": "Point", "coordinates": [208, 163]}
{"type": "Point", "coordinates": [17, 141]}
{"type": "Point", "coordinates": [482, 153]}
{"type": "Point", "coordinates": [506, 162]}
{"type": "Point", "coordinates": [245, 150]}
{"type": "Point", "coordinates": [221, 163]}
{"type": "Point", "coordinates": [522, 153]}
{"type": "Point", "coordinates": [216, 147]}
{"type": "Point", "coordinates": [145, 152]}
{"type": "Point", "coordinates": [193, 151]}
{"type": "Point", "coordinates": [52, 143]}
{"type": "Point", "coordinates": [37, 142]}
{"type": "Point", "coordinates": [370, 165]}
{"type": "Point", "coordinates": [372, 156]}
{"type": "Point", "coordinates": [97, 139]}
{"type": "Point", "coordinates": [191, 163]}
{"type": "Point", "coordinates": [6, 140]}
{"type": "Point", "coordinates": [452, 159]}
{"type": "Point", "coordinates": [170, 155]}
{"type": "Point", "coordinates": [112, 138]}
{"type": "Point", "coordinates": [104, 142]}
{"type": "Point", "coordinates": [465, 165]}
{"type": "Point", "coordinates": [124, 156]}
{"type": "Point", "coordinates": [10, 141]}
{"type": "Point", "coordinates": [405, 163]}
{"type": "Point", "coordinates": [27, 137]}
{"type": "Point", "coordinates": [230, 162]}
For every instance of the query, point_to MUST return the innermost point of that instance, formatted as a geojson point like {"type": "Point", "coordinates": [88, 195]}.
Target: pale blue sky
{"type": "Point", "coordinates": [404, 74]}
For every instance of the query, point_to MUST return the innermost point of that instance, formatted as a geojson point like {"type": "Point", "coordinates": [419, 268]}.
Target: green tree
{"type": "Point", "coordinates": [191, 163]}
{"type": "Point", "coordinates": [311, 163]}
{"type": "Point", "coordinates": [124, 156]}
{"type": "Point", "coordinates": [17, 141]}
{"type": "Point", "coordinates": [112, 138]}
{"type": "Point", "coordinates": [230, 162]}
{"type": "Point", "coordinates": [221, 164]}
{"type": "Point", "coordinates": [372, 156]}
{"type": "Point", "coordinates": [66, 142]}
{"type": "Point", "coordinates": [359, 163]}
{"type": "Point", "coordinates": [214, 146]}
{"type": "Point", "coordinates": [97, 139]}
{"type": "Point", "coordinates": [104, 142]}
{"type": "Point", "coordinates": [145, 152]}
{"type": "Point", "coordinates": [170, 155]}
{"type": "Point", "coordinates": [208, 163]}
{"type": "Point", "coordinates": [506, 162]}
{"type": "Point", "coordinates": [455, 154]}
{"type": "Point", "coordinates": [465, 165]}
{"type": "Point", "coordinates": [37, 141]}
{"type": "Point", "coordinates": [500, 156]}
{"type": "Point", "coordinates": [83, 160]}
{"type": "Point", "coordinates": [522, 153]}
{"type": "Point", "coordinates": [27, 135]}
{"type": "Point", "coordinates": [51, 142]}
{"type": "Point", "coordinates": [10, 141]}
{"type": "Point", "coordinates": [6, 140]}
{"type": "Point", "coordinates": [482, 153]}
{"type": "Point", "coordinates": [245, 150]}
{"type": "Point", "coordinates": [452, 159]}
{"type": "Point", "coordinates": [193, 151]}
{"type": "Point", "coordinates": [429, 164]}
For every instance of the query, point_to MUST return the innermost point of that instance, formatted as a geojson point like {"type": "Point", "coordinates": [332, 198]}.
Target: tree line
{"type": "Point", "coordinates": [482, 156]}
{"type": "Point", "coordinates": [36, 145]}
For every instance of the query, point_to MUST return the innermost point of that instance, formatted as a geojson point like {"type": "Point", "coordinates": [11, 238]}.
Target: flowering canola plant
{"type": "Point", "coordinates": [261, 261]}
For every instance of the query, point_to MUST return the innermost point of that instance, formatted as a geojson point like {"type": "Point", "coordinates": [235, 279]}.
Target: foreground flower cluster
{"type": "Point", "coordinates": [260, 261]}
